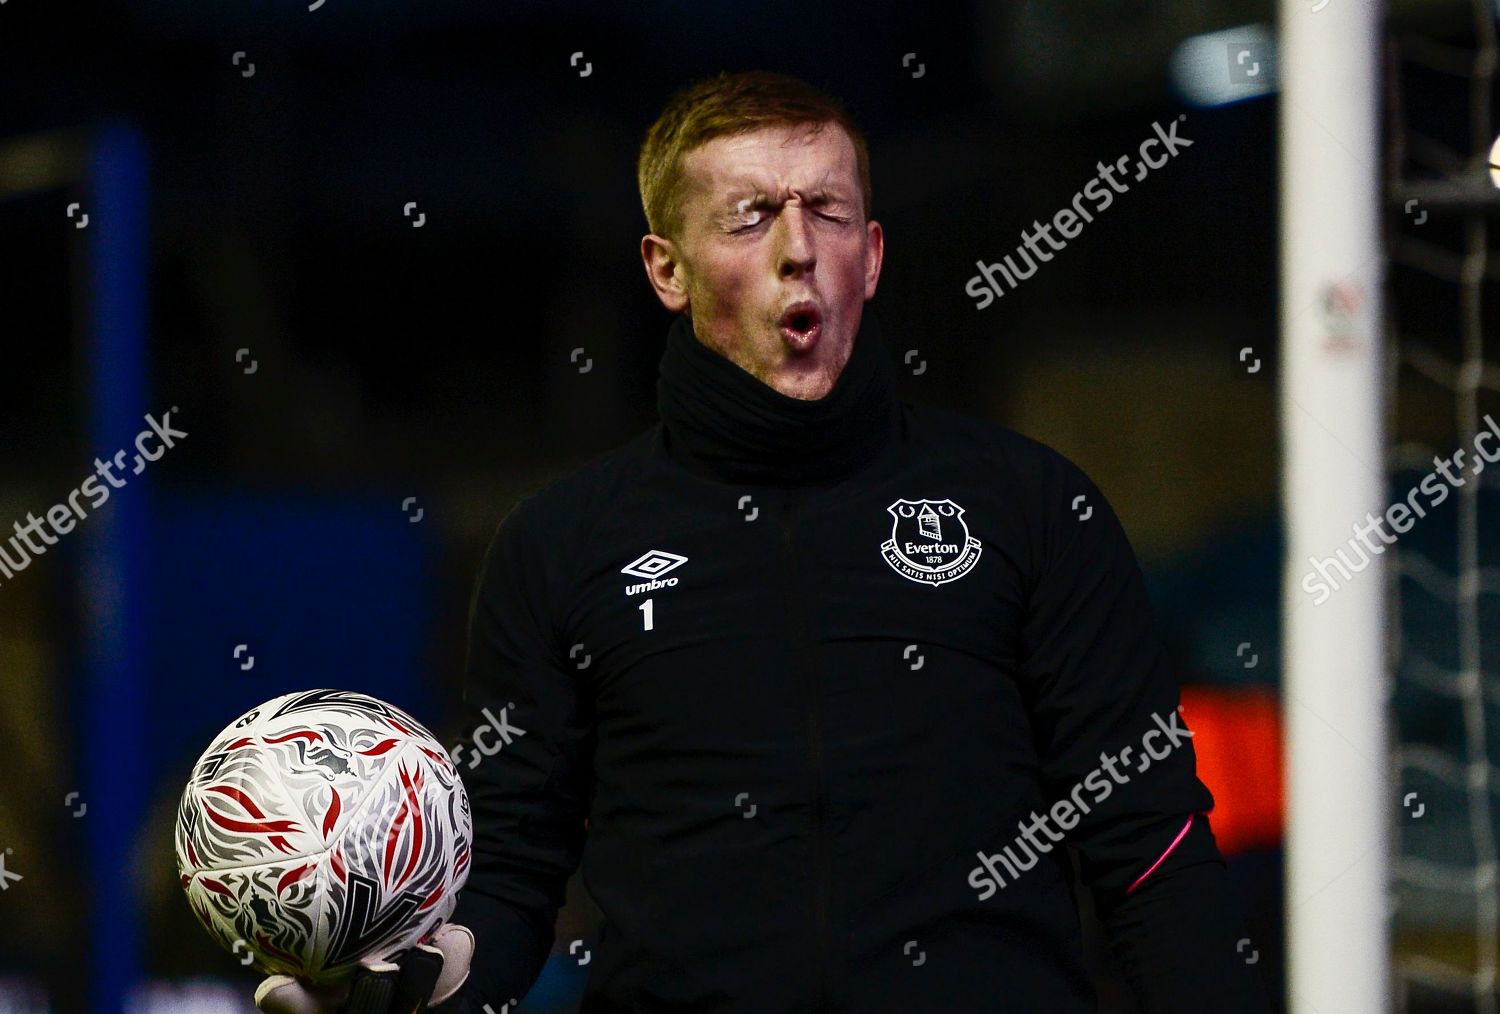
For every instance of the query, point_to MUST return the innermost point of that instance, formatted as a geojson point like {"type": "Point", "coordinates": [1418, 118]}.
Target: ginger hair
{"type": "Point", "coordinates": [722, 106]}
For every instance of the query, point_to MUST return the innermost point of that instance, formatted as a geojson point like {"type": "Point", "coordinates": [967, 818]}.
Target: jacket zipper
{"type": "Point", "coordinates": [822, 847]}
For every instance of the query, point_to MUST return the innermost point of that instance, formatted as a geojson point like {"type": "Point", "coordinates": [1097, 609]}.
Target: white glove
{"type": "Point", "coordinates": [424, 977]}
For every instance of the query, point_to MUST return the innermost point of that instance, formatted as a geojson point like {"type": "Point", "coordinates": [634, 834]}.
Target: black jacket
{"type": "Point", "coordinates": [808, 669]}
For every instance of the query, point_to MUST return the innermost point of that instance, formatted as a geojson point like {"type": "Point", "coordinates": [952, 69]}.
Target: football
{"type": "Point", "coordinates": [322, 828]}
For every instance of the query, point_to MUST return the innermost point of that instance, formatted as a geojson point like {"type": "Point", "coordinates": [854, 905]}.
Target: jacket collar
{"type": "Point", "coordinates": [720, 422]}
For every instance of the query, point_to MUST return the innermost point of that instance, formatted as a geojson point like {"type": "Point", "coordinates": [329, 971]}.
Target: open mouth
{"type": "Point", "coordinates": [801, 324]}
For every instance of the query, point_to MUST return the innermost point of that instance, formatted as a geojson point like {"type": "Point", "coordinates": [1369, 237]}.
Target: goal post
{"type": "Point", "coordinates": [1332, 362]}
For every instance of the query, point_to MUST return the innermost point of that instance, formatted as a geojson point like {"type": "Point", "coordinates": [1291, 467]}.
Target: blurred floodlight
{"type": "Point", "coordinates": [1219, 68]}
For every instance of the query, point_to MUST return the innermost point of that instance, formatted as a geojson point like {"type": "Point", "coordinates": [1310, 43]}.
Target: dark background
{"type": "Point", "coordinates": [436, 362]}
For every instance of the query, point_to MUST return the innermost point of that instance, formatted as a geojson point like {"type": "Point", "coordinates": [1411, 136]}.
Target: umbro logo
{"type": "Point", "coordinates": [652, 565]}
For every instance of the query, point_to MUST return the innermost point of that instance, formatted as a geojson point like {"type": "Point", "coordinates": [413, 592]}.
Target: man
{"type": "Point", "coordinates": [813, 681]}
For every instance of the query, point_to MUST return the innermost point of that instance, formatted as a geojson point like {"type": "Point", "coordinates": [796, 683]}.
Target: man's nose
{"type": "Point", "coordinates": [795, 254]}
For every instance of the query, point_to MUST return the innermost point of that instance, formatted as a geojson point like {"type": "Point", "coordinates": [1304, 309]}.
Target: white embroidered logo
{"type": "Point", "coordinates": [652, 565]}
{"type": "Point", "coordinates": [930, 541]}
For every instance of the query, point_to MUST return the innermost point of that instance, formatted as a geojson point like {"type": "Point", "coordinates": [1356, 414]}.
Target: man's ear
{"type": "Point", "coordinates": [874, 256]}
{"type": "Point", "coordinates": [663, 264]}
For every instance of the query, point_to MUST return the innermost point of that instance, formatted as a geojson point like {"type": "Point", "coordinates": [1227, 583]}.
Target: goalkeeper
{"type": "Point", "coordinates": [802, 673]}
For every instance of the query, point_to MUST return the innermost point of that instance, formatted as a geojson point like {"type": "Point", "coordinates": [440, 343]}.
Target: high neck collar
{"type": "Point", "coordinates": [720, 421]}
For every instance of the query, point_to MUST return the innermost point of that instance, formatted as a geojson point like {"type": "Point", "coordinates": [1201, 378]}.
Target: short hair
{"type": "Point", "coordinates": [725, 105]}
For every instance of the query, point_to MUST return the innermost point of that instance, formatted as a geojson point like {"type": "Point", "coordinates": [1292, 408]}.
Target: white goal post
{"type": "Point", "coordinates": [1332, 361]}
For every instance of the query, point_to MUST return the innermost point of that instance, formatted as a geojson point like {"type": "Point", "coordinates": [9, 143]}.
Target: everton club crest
{"type": "Point", "coordinates": [929, 541]}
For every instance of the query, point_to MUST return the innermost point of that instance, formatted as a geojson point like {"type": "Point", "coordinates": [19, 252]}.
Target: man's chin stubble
{"type": "Point", "coordinates": [808, 386]}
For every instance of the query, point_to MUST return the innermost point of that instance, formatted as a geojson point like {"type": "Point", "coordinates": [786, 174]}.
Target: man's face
{"type": "Point", "coordinates": [775, 259]}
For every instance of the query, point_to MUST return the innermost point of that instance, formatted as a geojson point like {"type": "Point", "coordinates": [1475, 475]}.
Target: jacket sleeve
{"type": "Point", "coordinates": [528, 776]}
{"type": "Point", "coordinates": [1111, 743]}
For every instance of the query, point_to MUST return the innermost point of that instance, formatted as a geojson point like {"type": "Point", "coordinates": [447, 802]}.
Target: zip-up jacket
{"type": "Point", "coordinates": [792, 680]}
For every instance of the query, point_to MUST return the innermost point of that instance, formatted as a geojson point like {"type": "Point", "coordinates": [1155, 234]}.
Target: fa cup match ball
{"type": "Point", "coordinates": [322, 828]}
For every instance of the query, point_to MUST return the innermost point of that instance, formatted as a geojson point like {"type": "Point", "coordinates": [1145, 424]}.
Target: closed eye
{"type": "Point", "coordinates": [827, 216]}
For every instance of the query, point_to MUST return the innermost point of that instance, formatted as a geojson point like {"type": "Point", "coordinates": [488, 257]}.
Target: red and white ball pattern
{"type": "Point", "coordinates": [321, 828]}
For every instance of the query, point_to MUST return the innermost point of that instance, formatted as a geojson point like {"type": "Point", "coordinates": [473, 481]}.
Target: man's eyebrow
{"type": "Point", "coordinates": [757, 198]}
{"type": "Point", "coordinates": [748, 198]}
{"type": "Point", "coordinates": [748, 195]}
